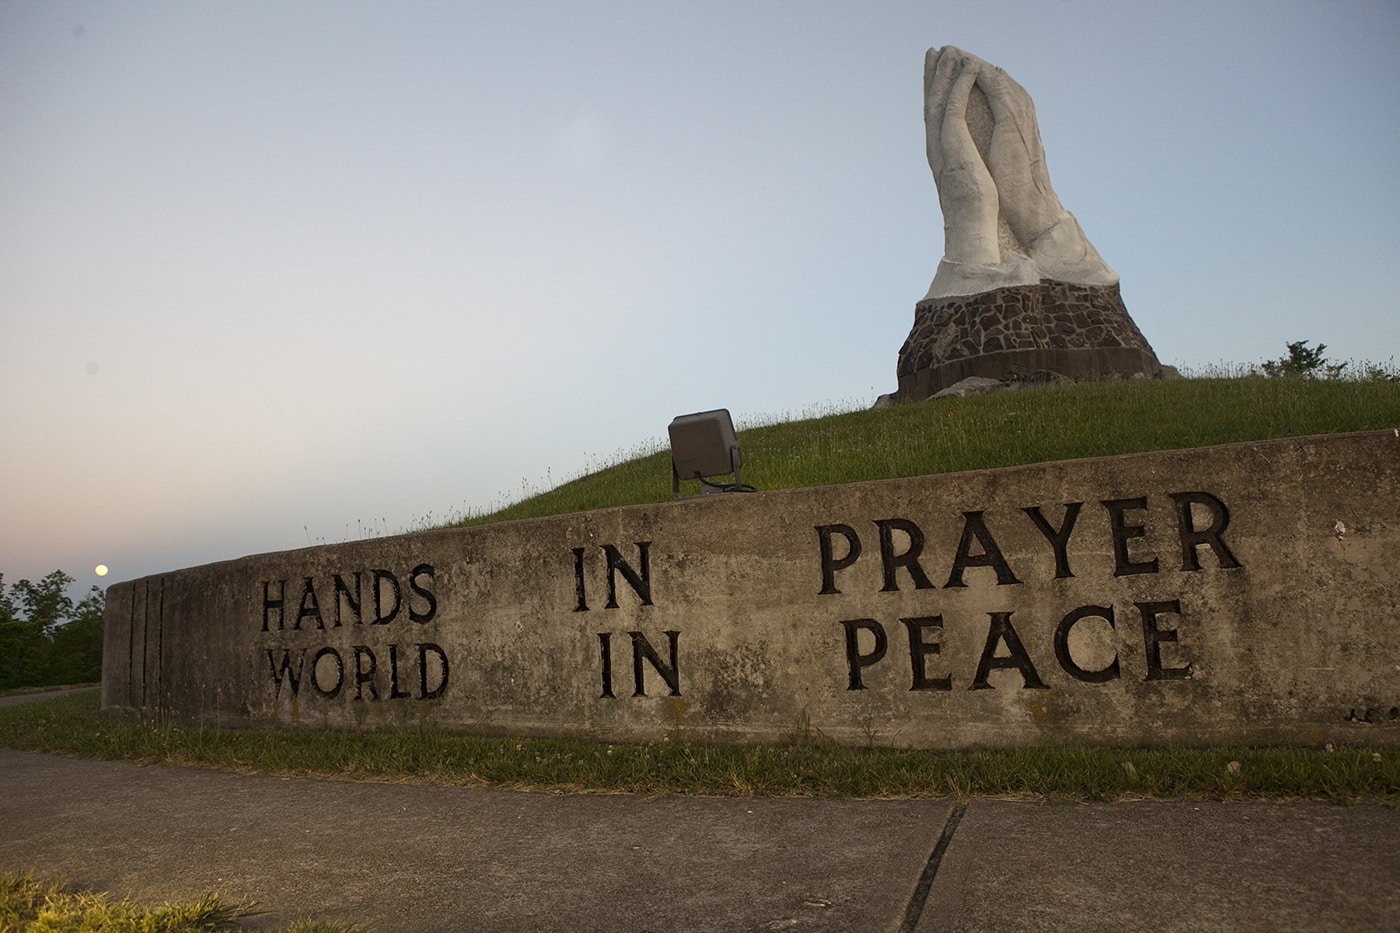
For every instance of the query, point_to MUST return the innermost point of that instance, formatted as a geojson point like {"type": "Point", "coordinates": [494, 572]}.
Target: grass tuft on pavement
{"type": "Point", "coordinates": [29, 905]}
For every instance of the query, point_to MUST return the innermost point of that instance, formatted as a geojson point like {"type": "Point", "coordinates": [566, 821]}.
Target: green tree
{"type": "Point", "coordinates": [12, 637]}
{"type": "Point", "coordinates": [44, 638]}
{"type": "Point", "coordinates": [24, 637]}
{"type": "Point", "coordinates": [1303, 361]}
{"type": "Point", "coordinates": [76, 655]}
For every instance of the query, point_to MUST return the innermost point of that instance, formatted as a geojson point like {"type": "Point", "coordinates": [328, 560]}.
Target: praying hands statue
{"type": "Point", "coordinates": [1003, 224]}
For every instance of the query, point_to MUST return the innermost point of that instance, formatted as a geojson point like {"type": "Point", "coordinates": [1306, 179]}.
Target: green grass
{"type": "Point", "coordinates": [29, 904]}
{"type": "Point", "coordinates": [804, 766]}
{"type": "Point", "coordinates": [1009, 429]}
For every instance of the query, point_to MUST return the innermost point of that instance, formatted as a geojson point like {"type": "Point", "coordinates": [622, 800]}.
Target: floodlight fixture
{"type": "Point", "coordinates": [703, 445]}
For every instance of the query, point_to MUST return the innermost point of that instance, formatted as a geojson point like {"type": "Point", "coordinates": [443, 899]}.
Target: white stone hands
{"type": "Point", "coordinates": [966, 190]}
{"type": "Point", "coordinates": [1003, 224]}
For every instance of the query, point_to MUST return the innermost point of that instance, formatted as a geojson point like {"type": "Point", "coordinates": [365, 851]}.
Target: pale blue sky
{"type": "Point", "coordinates": [276, 272]}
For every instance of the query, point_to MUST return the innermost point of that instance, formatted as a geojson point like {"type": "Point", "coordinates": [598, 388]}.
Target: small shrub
{"type": "Point", "coordinates": [1305, 362]}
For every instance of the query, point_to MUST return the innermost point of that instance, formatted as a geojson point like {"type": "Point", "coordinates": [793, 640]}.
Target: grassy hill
{"type": "Point", "coordinates": [1009, 429]}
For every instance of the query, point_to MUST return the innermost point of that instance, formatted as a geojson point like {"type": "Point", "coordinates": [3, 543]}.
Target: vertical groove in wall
{"type": "Point", "coordinates": [131, 651]}
{"type": "Point", "coordinates": [145, 644]}
{"type": "Point", "coordinates": [160, 647]}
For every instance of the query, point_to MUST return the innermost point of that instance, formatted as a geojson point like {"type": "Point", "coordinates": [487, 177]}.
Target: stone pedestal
{"type": "Point", "coordinates": [1082, 331]}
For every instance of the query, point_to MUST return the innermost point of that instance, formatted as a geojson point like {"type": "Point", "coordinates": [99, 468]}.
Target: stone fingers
{"type": "Point", "coordinates": [955, 112]}
{"type": "Point", "coordinates": [966, 189]}
{"type": "Point", "coordinates": [1016, 158]}
{"type": "Point", "coordinates": [938, 79]}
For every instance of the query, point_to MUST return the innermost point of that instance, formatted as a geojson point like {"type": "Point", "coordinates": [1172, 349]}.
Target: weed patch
{"type": "Point", "coordinates": [805, 766]}
{"type": "Point", "coordinates": [28, 904]}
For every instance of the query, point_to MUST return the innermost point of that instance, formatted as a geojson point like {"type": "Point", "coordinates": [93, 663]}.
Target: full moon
{"type": "Point", "coordinates": [100, 570]}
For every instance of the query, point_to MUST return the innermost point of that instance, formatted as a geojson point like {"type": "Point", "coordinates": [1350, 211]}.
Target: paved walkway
{"type": "Point", "coordinates": [422, 858]}
{"type": "Point", "coordinates": [11, 699]}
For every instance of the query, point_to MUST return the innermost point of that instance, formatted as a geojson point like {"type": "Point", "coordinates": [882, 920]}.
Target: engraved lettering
{"type": "Point", "coordinates": [580, 590]}
{"type": "Point", "coordinates": [830, 563]}
{"type": "Point", "coordinates": [855, 660]}
{"type": "Point", "coordinates": [381, 615]}
{"type": "Point", "coordinates": [365, 675]}
{"type": "Point", "coordinates": [642, 649]}
{"type": "Point", "coordinates": [1153, 636]}
{"type": "Point", "coordinates": [286, 671]}
{"type": "Point", "coordinates": [424, 649]}
{"type": "Point", "coordinates": [270, 605]}
{"type": "Point", "coordinates": [394, 692]}
{"type": "Point", "coordinates": [1193, 538]}
{"type": "Point", "coordinates": [1123, 564]}
{"type": "Point", "coordinates": [909, 559]}
{"type": "Point", "coordinates": [427, 615]}
{"type": "Point", "coordinates": [310, 608]}
{"type": "Point", "coordinates": [975, 528]}
{"type": "Point", "coordinates": [333, 691]}
{"type": "Point", "coordinates": [1058, 537]}
{"type": "Point", "coordinates": [640, 583]}
{"type": "Point", "coordinates": [605, 657]}
{"type": "Point", "coordinates": [1062, 653]}
{"type": "Point", "coordinates": [919, 650]}
{"type": "Point", "coordinates": [343, 597]}
{"type": "Point", "coordinates": [1000, 630]}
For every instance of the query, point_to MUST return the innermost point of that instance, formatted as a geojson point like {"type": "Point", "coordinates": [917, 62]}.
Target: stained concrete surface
{"type": "Point", "coordinates": [1169, 865]}
{"type": "Point", "coordinates": [1181, 605]}
{"type": "Point", "coordinates": [423, 858]}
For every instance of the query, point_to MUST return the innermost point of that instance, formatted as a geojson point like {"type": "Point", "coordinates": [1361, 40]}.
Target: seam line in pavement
{"type": "Point", "coordinates": [920, 895]}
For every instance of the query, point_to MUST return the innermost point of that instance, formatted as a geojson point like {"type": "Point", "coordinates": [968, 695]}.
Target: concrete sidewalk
{"type": "Point", "coordinates": [422, 858]}
{"type": "Point", "coordinates": [32, 696]}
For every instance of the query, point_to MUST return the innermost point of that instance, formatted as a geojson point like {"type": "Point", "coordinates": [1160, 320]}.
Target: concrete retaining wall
{"type": "Point", "coordinates": [1239, 594]}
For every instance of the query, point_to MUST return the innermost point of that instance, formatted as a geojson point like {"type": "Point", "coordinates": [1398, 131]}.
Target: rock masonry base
{"type": "Point", "coordinates": [1081, 331]}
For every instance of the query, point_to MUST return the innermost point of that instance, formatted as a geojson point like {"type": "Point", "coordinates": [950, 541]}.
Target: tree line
{"type": "Point", "coordinates": [47, 639]}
